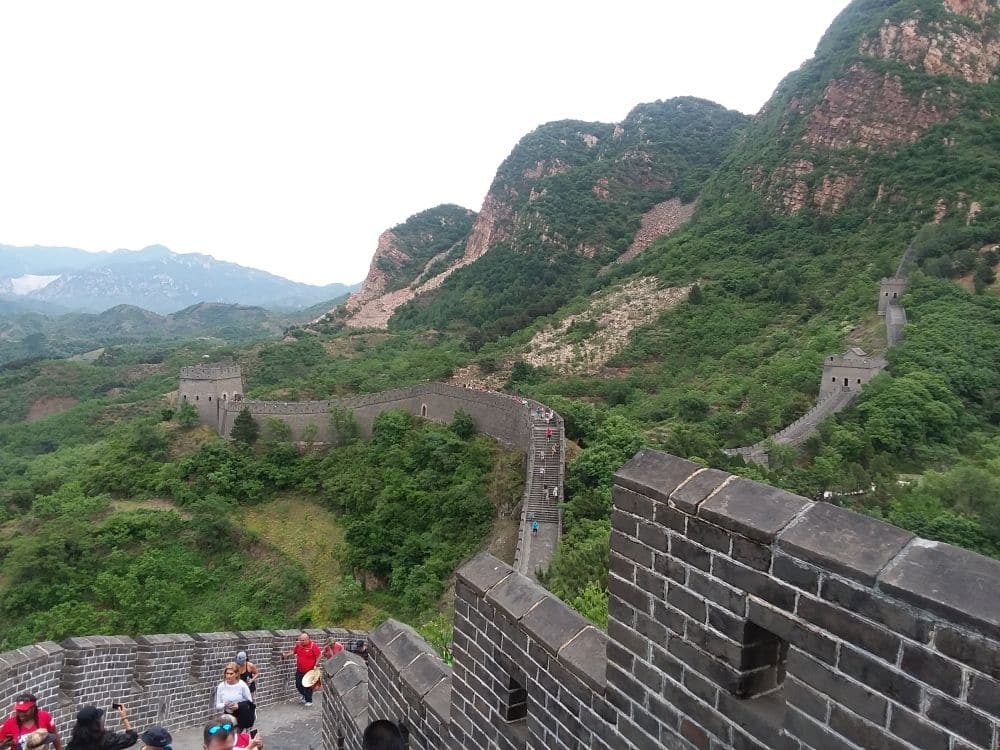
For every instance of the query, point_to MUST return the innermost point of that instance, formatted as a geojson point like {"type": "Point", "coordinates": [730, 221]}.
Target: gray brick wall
{"type": "Point", "coordinates": [164, 679]}
{"type": "Point", "coordinates": [741, 617]}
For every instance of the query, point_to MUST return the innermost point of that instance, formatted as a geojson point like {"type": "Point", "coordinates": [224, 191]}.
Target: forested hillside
{"type": "Point", "coordinates": [568, 201]}
{"type": "Point", "coordinates": [887, 139]}
{"type": "Point", "coordinates": [119, 515]}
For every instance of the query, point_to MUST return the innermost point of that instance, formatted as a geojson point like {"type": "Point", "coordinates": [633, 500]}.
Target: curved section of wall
{"type": "Point", "coordinates": [520, 423]}
{"type": "Point", "coordinates": [163, 679]}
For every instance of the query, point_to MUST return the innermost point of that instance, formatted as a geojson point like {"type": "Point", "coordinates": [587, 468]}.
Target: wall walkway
{"type": "Point", "coordinates": [521, 423]}
{"type": "Point", "coordinates": [796, 433]}
{"type": "Point", "coordinates": [163, 679]}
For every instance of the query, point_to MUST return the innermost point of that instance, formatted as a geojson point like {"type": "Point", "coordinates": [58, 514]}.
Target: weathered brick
{"type": "Point", "coordinates": [876, 607]}
{"type": "Point", "coordinates": [984, 693]}
{"type": "Point", "coordinates": [879, 677]}
{"type": "Point", "coordinates": [754, 582]}
{"type": "Point", "coordinates": [788, 628]}
{"type": "Point", "coordinates": [709, 535]}
{"type": "Point", "coordinates": [928, 667]}
{"type": "Point", "coordinates": [960, 719]}
{"type": "Point", "coordinates": [839, 688]}
{"type": "Point", "coordinates": [912, 728]}
{"type": "Point", "coordinates": [798, 574]}
{"type": "Point", "coordinates": [689, 552]}
{"type": "Point", "coordinates": [874, 638]}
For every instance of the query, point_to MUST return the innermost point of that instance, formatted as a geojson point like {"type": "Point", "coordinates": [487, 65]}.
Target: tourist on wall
{"type": "Point", "coordinates": [384, 735]}
{"type": "Point", "coordinates": [306, 654]}
{"type": "Point", "coordinates": [247, 738]}
{"type": "Point", "coordinates": [219, 735]}
{"type": "Point", "coordinates": [156, 738]}
{"type": "Point", "coordinates": [89, 732]}
{"type": "Point", "coordinates": [26, 719]}
{"type": "Point", "coordinates": [233, 696]}
{"type": "Point", "coordinates": [332, 648]}
{"type": "Point", "coordinates": [248, 671]}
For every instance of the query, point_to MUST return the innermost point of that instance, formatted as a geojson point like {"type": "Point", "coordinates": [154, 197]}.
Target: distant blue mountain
{"type": "Point", "coordinates": [154, 278]}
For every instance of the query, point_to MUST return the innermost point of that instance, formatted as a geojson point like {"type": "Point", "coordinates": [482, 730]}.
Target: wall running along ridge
{"type": "Point", "coordinates": [741, 617]}
{"type": "Point", "coordinates": [833, 397]}
{"type": "Point", "coordinates": [509, 420]}
{"type": "Point", "coordinates": [163, 679]}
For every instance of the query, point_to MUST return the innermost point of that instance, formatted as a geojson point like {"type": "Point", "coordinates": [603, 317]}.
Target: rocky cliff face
{"type": "Point", "coordinates": [572, 194]}
{"type": "Point", "coordinates": [899, 76]}
{"type": "Point", "coordinates": [408, 258]}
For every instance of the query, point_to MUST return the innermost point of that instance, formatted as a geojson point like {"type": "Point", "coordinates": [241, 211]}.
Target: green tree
{"type": "Point", "coordinates": [245, 429]}
{"type": "Point", "coordinates": [462, 424]}
{"type": "Point", "coordinates": [344, 426]}
{"type": "Point", "coordinates": [186, 415]}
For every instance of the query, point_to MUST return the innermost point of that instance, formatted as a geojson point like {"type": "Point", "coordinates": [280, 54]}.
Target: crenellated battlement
{"type": "Point", "coordinates": [167, 679]}
{"type": "Point", "coordinates": [211, 372]}
{"type": "Point", "coordinates": [740, 616]}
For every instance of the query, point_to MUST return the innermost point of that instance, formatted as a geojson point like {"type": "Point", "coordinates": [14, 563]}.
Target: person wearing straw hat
{"type": "Point", "coordinates": [37, 740]}
{"type": "Point", "coordinates": [28, 718]}
{"type": "Point", "coordinates": [306, 653]}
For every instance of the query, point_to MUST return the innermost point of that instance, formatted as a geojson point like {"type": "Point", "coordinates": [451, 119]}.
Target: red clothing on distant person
{"type": "Point", "coordinates": [12, 730]}
{"type": "Point", "coordinates": [336, 648]}
{"type": "Point", "coordinates": [306, 656]}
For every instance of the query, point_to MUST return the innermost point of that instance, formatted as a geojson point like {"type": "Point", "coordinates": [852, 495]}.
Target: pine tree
{"type": "Point", "coordinates": [245, 429]}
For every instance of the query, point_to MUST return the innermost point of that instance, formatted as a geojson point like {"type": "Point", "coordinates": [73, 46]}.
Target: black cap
{"type": "Point", "coordinates": [156, 737]}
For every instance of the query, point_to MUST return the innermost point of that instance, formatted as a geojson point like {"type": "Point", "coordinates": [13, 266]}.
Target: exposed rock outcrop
{"type": "Point", "coordinates": [871, 111]}
{"type": "Point", "coordinates": [940, 49]}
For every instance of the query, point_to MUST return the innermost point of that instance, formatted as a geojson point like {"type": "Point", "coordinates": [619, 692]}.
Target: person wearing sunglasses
{"type": "Point", "coordinates": [219, 736]}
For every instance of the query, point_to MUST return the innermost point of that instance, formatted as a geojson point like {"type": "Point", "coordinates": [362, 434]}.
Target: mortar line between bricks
{"type": "Point", "coordinates": [713, 493]}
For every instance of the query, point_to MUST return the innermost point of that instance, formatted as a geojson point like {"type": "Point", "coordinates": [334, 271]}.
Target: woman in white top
{"type": "Point", "coordinates": [232, 696]}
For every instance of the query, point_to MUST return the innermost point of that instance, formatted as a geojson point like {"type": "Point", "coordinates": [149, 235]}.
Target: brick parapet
{"type": "Point", "coordinates": [167, 679]}
{"type": "Point", "coordinates": [772, 621]}
{"type": "Point", "coordinates": [740, 617]}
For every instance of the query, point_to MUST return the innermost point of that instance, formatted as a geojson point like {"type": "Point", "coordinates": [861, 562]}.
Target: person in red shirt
{"type": "Point", "coordinates": [26, 719]}
{"type": "Point", "coordinates": [332, 648]}
{"type": "Point", "coordinates": [306, 655]}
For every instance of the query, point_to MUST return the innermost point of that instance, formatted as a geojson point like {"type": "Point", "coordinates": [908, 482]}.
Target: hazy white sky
{"type": "Point", "coordinates": [287, 136]}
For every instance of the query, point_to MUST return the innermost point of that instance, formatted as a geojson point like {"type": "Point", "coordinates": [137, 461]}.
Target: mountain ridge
{"type": "Point", "coordinates": [153, 278]}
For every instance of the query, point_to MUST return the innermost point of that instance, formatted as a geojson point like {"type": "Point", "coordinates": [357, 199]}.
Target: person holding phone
{"type": "Point", "coordinates": [89, 732]}
{"type": "Point", "coordinates": [27, 718]}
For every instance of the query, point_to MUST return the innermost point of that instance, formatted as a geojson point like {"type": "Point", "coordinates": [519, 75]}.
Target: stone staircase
{"type": "Point", "coordinates": [547, 468]}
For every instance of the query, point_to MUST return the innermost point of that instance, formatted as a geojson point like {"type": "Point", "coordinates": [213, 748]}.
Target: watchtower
{"type": "Point", "coordinates": [205, 386]}
{"type": "Point", "coordinates": [849, 371]}
{"type": "Point", "coordinates": [889, 291]}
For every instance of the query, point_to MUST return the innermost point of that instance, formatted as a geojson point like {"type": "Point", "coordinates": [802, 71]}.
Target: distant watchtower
{"type": "Point", "coordinates": [889, 292]}
{"type": "Point", "coordinates": [849, 371]}
{"type": "Point", "coordinates": [205, 386]}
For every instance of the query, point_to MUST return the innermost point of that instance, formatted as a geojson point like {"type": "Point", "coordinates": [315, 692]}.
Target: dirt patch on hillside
{"type": "Point", "coordinates": [613, 317]}
{"type": "Point", "coordinates": [661, 219]}
{"type": "Point", "coordinates": [46, 407]}
{"type": "Point", "coordinates": [601, 331]}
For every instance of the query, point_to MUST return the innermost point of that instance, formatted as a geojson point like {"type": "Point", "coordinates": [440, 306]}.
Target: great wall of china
{"type": "Point", "coordinates": [741, 617]}
{"type": "Point", "coordinates": [843, 376]}
{"type": "Point", "coordinates": [216, 391]}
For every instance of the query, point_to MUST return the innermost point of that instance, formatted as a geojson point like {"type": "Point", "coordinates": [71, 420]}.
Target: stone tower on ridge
{"type": "Point", "coordinates": [205, 386]}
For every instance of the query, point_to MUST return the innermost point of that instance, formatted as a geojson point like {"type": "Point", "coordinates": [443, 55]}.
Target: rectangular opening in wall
{"type": "Point", "coordinates": [516, 704]}
{"type": "Point", "coordinates": [762, 686]}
